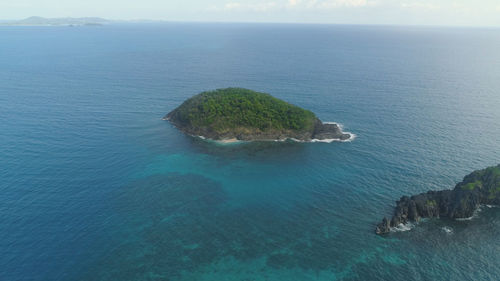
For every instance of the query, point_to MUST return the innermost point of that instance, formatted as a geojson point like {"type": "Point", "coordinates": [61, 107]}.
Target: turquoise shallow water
{"type": "Point", "coordinates": [95, 186]}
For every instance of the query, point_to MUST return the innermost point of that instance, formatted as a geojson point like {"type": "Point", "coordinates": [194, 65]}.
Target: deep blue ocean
{"type": "Point", "coordinates": [95, 186]}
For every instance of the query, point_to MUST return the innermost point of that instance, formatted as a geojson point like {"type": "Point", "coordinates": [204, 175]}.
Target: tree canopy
{"type": "Point", "coordinates": [228, 108]}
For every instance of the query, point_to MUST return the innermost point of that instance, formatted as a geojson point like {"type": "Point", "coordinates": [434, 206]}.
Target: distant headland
{"type": "Point", "coordinates": [479, 187]}
{"type": "Point", "coordinates": [40, 21]}
{"type": "Point", "coordinates": [69, 21]}
{"type": "Point", "coordinates": [236, 114]}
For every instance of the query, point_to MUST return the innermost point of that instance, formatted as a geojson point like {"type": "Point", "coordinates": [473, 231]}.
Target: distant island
{"type": "Point", "coordinates": [40, 21]}
{"type": "Point", "coordinates": [479, 187]}
{"type": "Point", "coordinates": [68, 21]}
{"type": "Point", "coordinates": [234, 114]}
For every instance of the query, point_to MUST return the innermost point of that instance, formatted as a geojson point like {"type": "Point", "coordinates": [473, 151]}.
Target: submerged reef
{"type": "Point", "coordinates": [241, 114]}
{"type": "Point", "coordinates": [479, 187]}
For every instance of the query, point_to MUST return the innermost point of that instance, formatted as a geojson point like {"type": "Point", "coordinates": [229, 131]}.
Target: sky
{"type": "Point", "coordinates": [396, 12]}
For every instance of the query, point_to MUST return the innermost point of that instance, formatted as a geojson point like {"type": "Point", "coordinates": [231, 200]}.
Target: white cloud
{"type": "Point", "coordinates": [420, 6]}
{"type": "Point", "coordinates": [344, 3]}
{"type": "Point", "coordinates": [332, 4]}
{"type": "Point", "coordinates": [17, 4]}
{"type": "Point", "coordinates": [460, 8]}
{"type": "Point", "coordinates": [255, 7]}
{"type": "Point", "coordinates": [292, 4]}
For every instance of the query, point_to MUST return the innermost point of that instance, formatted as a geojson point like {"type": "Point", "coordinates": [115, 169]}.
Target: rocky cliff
{"type": "Point", "coordinates": [479, 187]}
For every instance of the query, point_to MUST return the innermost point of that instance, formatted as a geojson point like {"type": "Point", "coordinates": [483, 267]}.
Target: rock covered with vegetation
{"type": "Point", "coordinates": [242, 114]}
{"type": "Point", "coordinates": [479, 187]}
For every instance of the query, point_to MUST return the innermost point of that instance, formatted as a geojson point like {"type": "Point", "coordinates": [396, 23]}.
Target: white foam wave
{"type": "Point", "coordinates": [324, 140]}
{"type": "Point", "coordinates": [351, 137]}
{"type": "Point", "coordinates": [220, 142]}
{"type": "Point", "coordinates": [474, 215]}
{"type": "Point", "coordinates": [447, 229]}
{"type": "Point", "coordinates": [403, 227]}
{"type": "Point", "coordinates": [334, 123]}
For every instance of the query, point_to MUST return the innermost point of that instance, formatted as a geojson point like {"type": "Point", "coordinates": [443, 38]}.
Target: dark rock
{"type": "Point", "coordinates": [479, 187]}
{"type": "Point", "coordinates": [328, 131]}
{"type": "Point", "coordinates": [383, 227]}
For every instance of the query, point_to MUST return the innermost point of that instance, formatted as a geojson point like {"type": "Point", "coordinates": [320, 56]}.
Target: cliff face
{"type": "Point", "coordinates": [479, 187]}
{"type": "Point", "coordinates": [242, 114]}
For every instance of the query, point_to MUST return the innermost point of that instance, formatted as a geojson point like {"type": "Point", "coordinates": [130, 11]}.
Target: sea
{"type": "Point", "coordinates": [94, 185]}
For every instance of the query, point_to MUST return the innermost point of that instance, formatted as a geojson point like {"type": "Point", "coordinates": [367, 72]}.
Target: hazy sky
{"type": "Point", "coordinates": [420, 12]}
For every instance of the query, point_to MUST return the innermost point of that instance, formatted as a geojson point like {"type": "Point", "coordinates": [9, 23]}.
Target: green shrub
{"type": "Point", "coordinates": [472, 185]}
{"type": "Point", "coordinates": [431, 203]}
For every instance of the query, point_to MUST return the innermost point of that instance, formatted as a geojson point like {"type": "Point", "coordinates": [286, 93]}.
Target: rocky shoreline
{"type": "Point", "coordinates": [479, 187]}
{"type": "Point", "coordinates": [321, 131]}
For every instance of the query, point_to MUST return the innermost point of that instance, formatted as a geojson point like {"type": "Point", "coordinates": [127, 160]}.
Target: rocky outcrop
{"type": "Point", "coordinates": [324, 131]}
{"type": "Point", "coordinates": [479, 187]}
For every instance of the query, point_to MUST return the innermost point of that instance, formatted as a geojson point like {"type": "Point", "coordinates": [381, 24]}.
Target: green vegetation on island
{"type": "Point", "coordinates": [236, 107]}
{"type": "Point", "coordinates": [248, 115]}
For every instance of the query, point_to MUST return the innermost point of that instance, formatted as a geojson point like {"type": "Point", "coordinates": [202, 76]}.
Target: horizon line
{"type": "Point", "coordinates": [145, 20]}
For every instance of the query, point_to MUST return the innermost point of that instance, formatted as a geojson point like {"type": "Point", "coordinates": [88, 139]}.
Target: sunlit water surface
{"type": "Point", "coordinates": [95, 186]}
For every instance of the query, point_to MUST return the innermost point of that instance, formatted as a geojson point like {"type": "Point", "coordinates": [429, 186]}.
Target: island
{"type": "Point", "coordinates": [236, 114]}
{"type": "Point", "coordinates": [479, 187]}
{"type": "Point", "coordinates": [40, 21]}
